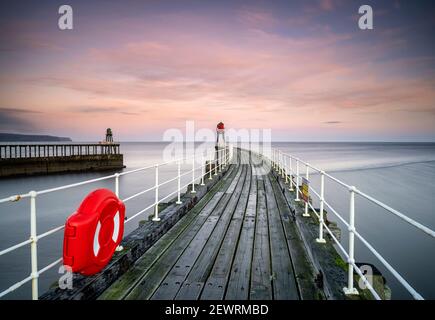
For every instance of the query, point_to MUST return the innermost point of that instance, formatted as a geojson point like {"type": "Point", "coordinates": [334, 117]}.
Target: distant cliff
{"type": "Point", "coordinates": [12, 137]}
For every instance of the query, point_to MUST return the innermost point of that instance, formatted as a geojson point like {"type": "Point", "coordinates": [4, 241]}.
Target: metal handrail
{"type": "Point", "coordinates": [223, 158]}
{"type": "Point", "coordinates": [278, 161]}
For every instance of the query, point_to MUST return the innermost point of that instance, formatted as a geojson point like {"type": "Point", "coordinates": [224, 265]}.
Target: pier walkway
{"type": "Point", "coordinates": [239, 242]}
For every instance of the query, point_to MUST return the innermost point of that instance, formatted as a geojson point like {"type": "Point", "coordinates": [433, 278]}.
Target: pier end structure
{"type": "Point", "coordinates": [36, 159]}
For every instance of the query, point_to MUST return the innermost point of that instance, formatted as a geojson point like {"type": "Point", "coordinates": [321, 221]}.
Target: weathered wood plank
{"type": "Point", "coordinates": [172, 282]}
{"type": "Point", "coordinates": [302, 267]}
{"type": "Point", "coordinates": [134, 275]}
{"type": "Point", "coordinates": [238, 285]}
{"type": "Point", "coordinates": [284, 283]}
{"type": "Point", "coordinates": [151, 281]}
{"type": "Point", "coordinates": [261, 285]}
{"type": "Point", "coordinates": [217, 281]}
{"type": "Point", "coordinates": [323, 257]}
{"type": "Point", "coordinates": [194, 283]}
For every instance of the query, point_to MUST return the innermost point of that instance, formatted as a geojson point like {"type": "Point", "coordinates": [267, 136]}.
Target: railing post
{"type": "Point", "coordinates": [350, 290]}
{"type": "Point", "coordinates": [33, 246]}
{"type": "Point", "coordinates": [202, 171]}
{"type": "Point", "coordinates": [193, 174]}
{"type": "Point", "coordinates": [320, 239]}
{"type": "Point", "coordinates": [118, 248]}
{"type": "Point", "coordinates": [225, 155]}
{"type": "Point", "coordinates": [117, 184]}
{"type": "Point", "coordinates": [179, 183]}
{"type": "Point", "coordinates": [273, 158]}
{"type": "Point", "coordinates": [282, 164]}
{"type": "Point", "coordinates": [220, 160]}
{"type": "Point", "coordinates": [291, 174]}
{"type": "Point", "coordinates": [286, 169]}
{"type": "Point", "coordinates": [297, 180]}
{"type": "Point", "coordinates": [215, 166]}
{"type": "Point", "coordinates": [156, 208]}
{"type": "Point", "coordinates": [306, 214]}
{"type": "Point", "coordinates": [277, 161]}
{"type": "Point", "coordinates": [210, 169]}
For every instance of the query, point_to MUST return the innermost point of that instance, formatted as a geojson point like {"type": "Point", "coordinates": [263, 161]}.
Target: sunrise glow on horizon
{"type": "Point", "coordinates": [300, 68]}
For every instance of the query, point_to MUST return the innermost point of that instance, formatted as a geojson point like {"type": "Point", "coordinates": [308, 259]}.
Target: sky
{"type": "Point", "coordinates": [300, 68]}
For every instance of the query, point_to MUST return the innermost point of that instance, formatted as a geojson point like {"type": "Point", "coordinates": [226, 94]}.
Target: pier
{"type": "Point", "coordinates": [240, 236]}
{"type": "Point", "coordinates": [36, 159]}
{"type": "Point", "coordinates": [244, 228]}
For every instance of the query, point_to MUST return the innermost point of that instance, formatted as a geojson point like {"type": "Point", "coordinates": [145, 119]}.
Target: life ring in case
{"type": "Point", "coordinates": [93, 232]}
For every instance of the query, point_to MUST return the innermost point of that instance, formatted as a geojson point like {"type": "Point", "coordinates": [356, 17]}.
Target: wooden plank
{"type": "Point", "coordinates": [127, 282]}
{"type": "Point", "coordinates": [238, 285]}
{"type": "Point", "coordinates": [151, 281]}
{"type": "Point", "coordinates": [194, 283]}
{"type": "Point", "coordinates": [172, 283]}
{"type": "Point", "coordinates": [284, 283]}
{"type": "Point", "coordinates": [304, 271]}
{"type": "Point", "coordinates": [261, 285]}
{"type": "Point", "coordinates": [217, 281]}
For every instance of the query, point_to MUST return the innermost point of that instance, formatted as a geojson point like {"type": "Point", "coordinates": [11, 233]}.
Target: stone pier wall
{"type": "Point", "coordinates": [47, 165]}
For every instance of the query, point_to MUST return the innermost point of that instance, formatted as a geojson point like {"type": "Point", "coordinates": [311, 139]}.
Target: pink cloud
{"type": "Point", "coordinates": [161, 76]}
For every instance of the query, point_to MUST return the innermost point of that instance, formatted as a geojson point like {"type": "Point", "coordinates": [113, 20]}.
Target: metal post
{"type": "Point", "coordinates": [156, 208]}
{"type": "Point", "coordinates": [179, 184]}
{"type": "Point", "coordinates": [277, 161]}
{"type": "Point", "coordinates": [210, 169]}
{"type": "Point", "coordinates": [291, 174]}
{"type": "Point", "coordinates": [119, 247]}
{"type": "Point", "coordinates": [273, 159]}
{"type": "Point", "coordinates": [225, 155]}
{"type": "Point", "coordinates": [320, 239]}
{"type": "Point", "coordinates": [306, 214]}
{"type": "Point", "coordinates": [193, 174]}
{"type": "Point", "coordinates": [297, 180]}
{"type": "Point", "coordinates": [202, 171]}
{"type": "Point", "coordinates": [117, 184]}
{"type": "Point", "coordinates": [215, 166]}
{"type": "Point", "coordinates": [350, 289]}
{"type": "Point", "coordinates": [33, 246]}
{"type": "Point", "coordinates": [220, 160]}
{"type": "Point", "coordinates": [285, 166]}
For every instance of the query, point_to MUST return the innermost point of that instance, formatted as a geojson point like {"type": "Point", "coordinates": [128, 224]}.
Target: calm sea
{"type": "Point", "coordinates": [400, 174]}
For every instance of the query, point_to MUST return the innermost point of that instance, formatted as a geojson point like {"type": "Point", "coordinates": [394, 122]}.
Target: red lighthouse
{"type": "Point", "coordinates": [220, 141]}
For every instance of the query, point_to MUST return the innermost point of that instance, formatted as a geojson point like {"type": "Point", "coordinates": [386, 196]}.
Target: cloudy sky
{"type": "Point", "coordinates": [301, 68]}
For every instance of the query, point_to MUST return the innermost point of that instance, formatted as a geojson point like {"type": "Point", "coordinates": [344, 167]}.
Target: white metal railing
{"type": "Point", "coordinates": [283, 164]}
{"type": "Point", "coordinates": [221, 160]}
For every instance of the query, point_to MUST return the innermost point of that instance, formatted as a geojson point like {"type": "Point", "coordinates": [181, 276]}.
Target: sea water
{"type": "Point", "coordinates": [401, 175]}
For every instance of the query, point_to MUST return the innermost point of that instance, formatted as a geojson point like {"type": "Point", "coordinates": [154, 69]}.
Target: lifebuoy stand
{"type": "Point", "coordinates": [93, 232]}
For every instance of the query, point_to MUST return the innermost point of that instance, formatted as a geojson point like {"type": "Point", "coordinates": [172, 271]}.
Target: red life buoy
{"type": "Point", "coordinates": [93, 232]}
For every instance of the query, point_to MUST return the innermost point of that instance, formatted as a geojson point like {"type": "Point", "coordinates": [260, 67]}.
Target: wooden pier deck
{"type": "Point", "coordinates": [240, 242]}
